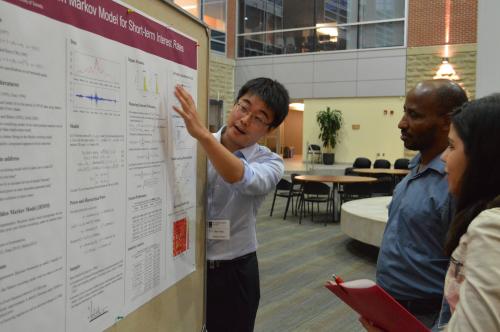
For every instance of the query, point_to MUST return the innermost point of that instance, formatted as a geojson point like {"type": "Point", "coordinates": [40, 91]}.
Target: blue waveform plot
{"type": "Point", "coordinates": [96, 98]}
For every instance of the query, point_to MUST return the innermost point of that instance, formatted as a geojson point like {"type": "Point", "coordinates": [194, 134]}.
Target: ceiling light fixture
{"type": "Point", "coordinates": [296, 107]}
{"type": "Point", "coordinates": [328, 29]}
{"type": "Point", "coordinates": [446, 71]}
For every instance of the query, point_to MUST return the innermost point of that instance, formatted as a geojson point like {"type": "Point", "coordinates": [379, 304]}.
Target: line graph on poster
{"type": "Point", "coordinates": [94, 68]}
{"type": "Point", "coordinates": [147, 177]}
{"type": "Point", "coordinates": [87, 97]}
{"type": "Point", "coordinates": [181, 140]}
{"type": "Point", "coordinates": [183, 182]}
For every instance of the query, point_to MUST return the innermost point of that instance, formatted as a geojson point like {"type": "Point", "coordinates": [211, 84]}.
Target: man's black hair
{"type": "Point", "coordinates": [272, 93]}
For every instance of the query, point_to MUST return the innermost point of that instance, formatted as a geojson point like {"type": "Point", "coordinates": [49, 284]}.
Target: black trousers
{"type": "Point", "coordinates": [233, 294]}
{"type": "Point", "coordinates": [425, 310]}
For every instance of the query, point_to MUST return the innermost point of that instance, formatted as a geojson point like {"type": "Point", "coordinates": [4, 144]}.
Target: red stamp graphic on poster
{"type": "Point", "coordinates": [180, 236]}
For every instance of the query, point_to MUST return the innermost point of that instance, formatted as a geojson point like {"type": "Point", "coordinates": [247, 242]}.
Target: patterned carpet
{"type": "Point", "coordinates": [295, 261]}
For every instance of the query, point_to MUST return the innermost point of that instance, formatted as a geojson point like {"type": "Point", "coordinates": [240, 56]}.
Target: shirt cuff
{"type": "Point", "coordinates": [247, 175]}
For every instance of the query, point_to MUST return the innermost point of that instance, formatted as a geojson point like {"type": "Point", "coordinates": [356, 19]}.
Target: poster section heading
{"type": "Point", "coordinates": [115, 21]}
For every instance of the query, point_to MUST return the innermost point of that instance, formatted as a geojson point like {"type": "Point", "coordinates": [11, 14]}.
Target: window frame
{"type": "Point", "coordinates": [358, 24]}
{"type": "Point", "coordinates": [202, 14]}
{"type": "Point", "coordinates": [201, 8]}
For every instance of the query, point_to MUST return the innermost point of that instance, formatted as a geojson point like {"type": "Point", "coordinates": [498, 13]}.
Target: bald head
{"type": "Point", "coordinates": [444, 95]}
{"type": "Point", "coordinates": [426, 120]}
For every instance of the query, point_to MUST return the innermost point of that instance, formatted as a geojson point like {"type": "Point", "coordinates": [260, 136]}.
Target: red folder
{"type": "Point", "coordinates": [376, 305]}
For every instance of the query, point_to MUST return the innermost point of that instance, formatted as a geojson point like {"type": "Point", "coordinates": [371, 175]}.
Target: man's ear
{"type": "Point", "coordinates": [270, 130]}
{"type": "Point", "coordinates": [446, 122]}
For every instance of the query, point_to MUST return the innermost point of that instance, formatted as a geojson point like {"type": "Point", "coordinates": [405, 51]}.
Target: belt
{"type": "Point", "coordinates": [215, 264]}
{"type": "Point", "coordinates": [422, 306]}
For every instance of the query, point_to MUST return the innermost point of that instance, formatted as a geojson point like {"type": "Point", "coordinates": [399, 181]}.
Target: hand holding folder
{"type": "Point", "coordinates": [375, 305]}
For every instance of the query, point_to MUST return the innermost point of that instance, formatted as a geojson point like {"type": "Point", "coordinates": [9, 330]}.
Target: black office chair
{"type": "Point", "coordinates": [352, 191]}
{"type": "Point", "coordinates": [360, 162]}
{"type": "Point", "coordinates": [283, 189]}
{"type": "Point", "coordinates": [382, 163]}
{"type": "Point", "coordinates": [385, 183]}
{"type": "Point", "coordinates": [401, 163]}
{"type": "Point", "coordinates": [295, 191]}
{"type": "Point", "coordinates": [313, 192]}
{"type": "Point", "coordinates": [288, 190]}
{"type": "Point", "coordinates": [384, 186]}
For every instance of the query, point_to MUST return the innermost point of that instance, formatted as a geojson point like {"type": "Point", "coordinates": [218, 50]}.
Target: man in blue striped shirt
{"type": "Point", "coordinates": [240, 175]}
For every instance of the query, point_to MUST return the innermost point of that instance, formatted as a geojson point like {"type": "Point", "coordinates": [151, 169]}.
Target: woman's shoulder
{"type": "Point", "coordinates": [487, 221]}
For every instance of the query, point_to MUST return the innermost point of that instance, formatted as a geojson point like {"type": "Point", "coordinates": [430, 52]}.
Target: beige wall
{"type": "Point", "coordinates": [423, 62]}
{"type": "Point", "coordinates": [221, 80]}
{"type": "Point", "coordinates": [292, 131]}
{"type": "Point", "coordinates": [378, 133]}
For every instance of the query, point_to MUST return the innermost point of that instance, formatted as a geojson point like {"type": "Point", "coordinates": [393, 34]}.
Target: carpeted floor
{"type": "Point", "coordinates": [295, 261]}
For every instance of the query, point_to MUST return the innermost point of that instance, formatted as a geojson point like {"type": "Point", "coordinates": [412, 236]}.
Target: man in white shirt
{"type": "Point", "coordinates": [240, 175]}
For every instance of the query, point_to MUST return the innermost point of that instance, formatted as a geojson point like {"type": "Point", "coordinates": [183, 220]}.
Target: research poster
{"type": "Point", "coordinates": [97, 172]}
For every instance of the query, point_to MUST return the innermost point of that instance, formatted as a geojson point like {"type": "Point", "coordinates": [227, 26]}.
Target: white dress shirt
{"type": "Point", "coordinates": [238, 202]}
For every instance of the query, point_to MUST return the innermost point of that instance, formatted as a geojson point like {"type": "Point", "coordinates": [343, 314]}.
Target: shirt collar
{"type": "Point", "coordinates": [436, 164]}
{"type": "Point", "coordinates": [246, 153]}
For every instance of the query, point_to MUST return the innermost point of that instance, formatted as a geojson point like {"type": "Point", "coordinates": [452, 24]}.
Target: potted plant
{"type": "Point", "coordinates": [329, 121]}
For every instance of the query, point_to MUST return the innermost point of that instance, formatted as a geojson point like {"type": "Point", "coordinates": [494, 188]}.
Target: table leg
{"type": "Point", "coordinates": [335, 200]}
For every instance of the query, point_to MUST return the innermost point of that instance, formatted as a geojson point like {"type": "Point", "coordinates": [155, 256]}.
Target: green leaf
{"type": "Point", "coordinates": [329, 121]}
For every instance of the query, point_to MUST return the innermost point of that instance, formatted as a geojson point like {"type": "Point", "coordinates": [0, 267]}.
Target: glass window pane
{"type": "Point", "coordinates": [270, 43]}
{"type": "Point", "coordinates": [214, 14]}
{"type": "Point", "coordinates": [371, 10]}
{"type": "Point", "coordinates": [351, 37]}
{"type": "Point", "coordinates": [216, 46]}
{"type": "Point", "coordinates": [274, 16]}
{"type": "Point", "coordinates": [301, 41]}
{"type": "Point", "coordinates": [268, 18]}
{"type": "Point", "coordinates": [251, 16]}
{"type": "Point", "coordinates": [218, 41]}
{"type": "Point", "coordinates": [218, 36]}
{"type": "Point", "coordinates": [336, 11]}
{"type": "Point", "coordinates": [283, 42]}
{"type": "Point", "coordinates": [191, 6]}
{"type": "Point", "coordinates": [251, 45]}
{"type": "Point", "coordinates": [260, 15]}
{"type": "Point", "coordinates": [381, 35]}
{"type": "Point", "coordinates": [333, 40]}
{"type": "Point", "coordinates": [298, 14]}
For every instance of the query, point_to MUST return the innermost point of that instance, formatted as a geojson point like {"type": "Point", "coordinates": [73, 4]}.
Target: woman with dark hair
{"type": "Point", "coordinates": [472, 285]}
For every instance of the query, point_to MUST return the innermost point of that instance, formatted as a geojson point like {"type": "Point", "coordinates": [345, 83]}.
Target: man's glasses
{"type": "Point", "coordinates": [257, 120]}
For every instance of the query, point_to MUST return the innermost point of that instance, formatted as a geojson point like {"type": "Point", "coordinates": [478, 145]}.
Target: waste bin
{"type": "Point", "coordinates": [288, 151]}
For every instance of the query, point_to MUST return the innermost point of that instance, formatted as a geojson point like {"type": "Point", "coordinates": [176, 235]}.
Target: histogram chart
{"type": "Point", "coordinates": [143, 81]}
{"type": "Point", "coordinates": [94, 84]}
{"type": "Point", "coordinates": [146, 82]}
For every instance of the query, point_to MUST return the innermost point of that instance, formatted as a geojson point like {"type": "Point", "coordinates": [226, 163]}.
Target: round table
{"type": "Point", "coordinates": [375, 171]}
{"type": "Point", "coordinates": [336, 180]}
{"type": "Point", "coordinates": [365, 219]}
{"type": "Point", "coordinates": [395, 174]}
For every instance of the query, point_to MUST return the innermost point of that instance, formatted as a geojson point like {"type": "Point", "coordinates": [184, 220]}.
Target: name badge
{"type": "Point", "coordinates": [218, 230]}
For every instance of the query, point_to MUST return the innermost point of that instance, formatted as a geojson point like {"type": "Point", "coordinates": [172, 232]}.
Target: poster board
{"type": "Point", "coordinates": [101, 198]}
